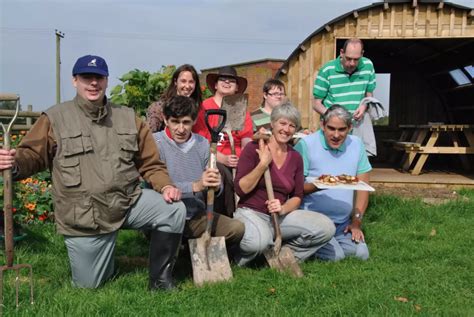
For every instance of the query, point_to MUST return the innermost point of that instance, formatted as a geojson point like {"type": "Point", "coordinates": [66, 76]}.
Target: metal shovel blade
{"type": "Point", "coordinates": [284, 261]}
{"type": "Point", "coordinates": [236, 107]}
{"type": "Point", "coordinates": [210, 264]}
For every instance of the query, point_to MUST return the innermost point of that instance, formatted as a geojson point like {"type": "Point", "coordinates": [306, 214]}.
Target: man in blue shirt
{"type": "Point", "coordinates": [332, 150]}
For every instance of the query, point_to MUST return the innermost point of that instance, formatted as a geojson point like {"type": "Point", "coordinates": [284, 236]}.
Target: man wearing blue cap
{"type": "Point", "coordinates": [96, 152]}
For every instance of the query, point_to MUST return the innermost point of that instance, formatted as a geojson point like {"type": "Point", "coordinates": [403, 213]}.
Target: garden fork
{"type": "Point", "coordinates": [8, 214]}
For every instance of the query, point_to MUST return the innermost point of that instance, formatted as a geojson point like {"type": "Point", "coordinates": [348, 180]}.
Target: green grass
{"type": "Point", "coordinates": [420, 253]}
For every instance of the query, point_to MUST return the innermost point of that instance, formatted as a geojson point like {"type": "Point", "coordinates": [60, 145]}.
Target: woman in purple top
{"type": "Point", "coordinates": [303, 231]}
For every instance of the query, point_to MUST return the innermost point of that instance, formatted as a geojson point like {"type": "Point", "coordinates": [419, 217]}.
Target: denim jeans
{"type": "Point", "coordinates": [341, 245]}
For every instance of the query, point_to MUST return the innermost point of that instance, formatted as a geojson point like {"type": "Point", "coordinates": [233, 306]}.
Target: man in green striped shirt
{"type": "Point", "coordinates": [346, 80]}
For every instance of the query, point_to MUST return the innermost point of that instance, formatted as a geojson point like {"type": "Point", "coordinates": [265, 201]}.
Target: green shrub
{"type": "Point", "coordinates": [140, 88]}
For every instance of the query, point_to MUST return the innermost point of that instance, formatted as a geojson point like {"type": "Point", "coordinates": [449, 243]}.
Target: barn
{"type": "Point", "coordinates": [424, 48]}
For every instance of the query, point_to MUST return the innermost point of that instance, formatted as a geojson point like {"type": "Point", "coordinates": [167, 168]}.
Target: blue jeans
{"type": "Point", "coordinates": [341, 245]}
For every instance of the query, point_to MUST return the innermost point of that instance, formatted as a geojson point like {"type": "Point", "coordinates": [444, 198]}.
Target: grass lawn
{"type": "Point", "coordinates": [421, 263]}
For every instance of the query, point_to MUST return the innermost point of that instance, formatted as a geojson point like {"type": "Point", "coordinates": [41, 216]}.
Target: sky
{"type": "Point", "coordinates": [146, 34]}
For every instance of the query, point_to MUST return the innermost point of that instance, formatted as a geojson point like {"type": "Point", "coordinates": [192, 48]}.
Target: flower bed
{"type": "Point", "coordinates": [32, 201]}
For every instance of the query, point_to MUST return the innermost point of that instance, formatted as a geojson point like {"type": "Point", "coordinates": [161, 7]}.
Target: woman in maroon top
{"type": "Point", "coordinates": [303, 231]}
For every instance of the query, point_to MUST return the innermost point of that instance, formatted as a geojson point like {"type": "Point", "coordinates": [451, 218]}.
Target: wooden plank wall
{"type": "Point", "coordinates": [386, 21]}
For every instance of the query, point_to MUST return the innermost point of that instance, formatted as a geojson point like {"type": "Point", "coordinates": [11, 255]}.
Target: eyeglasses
{"type": "Point", "coordinates": [231, 80]}
{"type": "Point", "coordinates": [276, 94]}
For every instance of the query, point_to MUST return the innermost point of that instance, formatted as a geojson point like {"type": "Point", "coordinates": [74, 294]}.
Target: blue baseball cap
{"type": "Point", "coordinates": [90, 64]}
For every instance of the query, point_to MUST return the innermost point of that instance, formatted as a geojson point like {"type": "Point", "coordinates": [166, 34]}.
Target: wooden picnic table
{"type": "Point", "coordinates": [420, 141]}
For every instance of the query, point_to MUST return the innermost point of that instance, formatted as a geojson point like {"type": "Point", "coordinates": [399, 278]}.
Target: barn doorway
{"type": "Point", "coordinates": [431, 80]}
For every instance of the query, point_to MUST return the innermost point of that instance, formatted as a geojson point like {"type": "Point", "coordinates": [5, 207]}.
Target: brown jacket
{"type": "Point", "coordinates": [96, 156]}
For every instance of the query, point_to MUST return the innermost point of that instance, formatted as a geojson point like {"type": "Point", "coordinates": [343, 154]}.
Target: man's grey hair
{"type": "Point", "coordinates": [338, 112]}
{"type": "Point", "coordinates": [286, 111]}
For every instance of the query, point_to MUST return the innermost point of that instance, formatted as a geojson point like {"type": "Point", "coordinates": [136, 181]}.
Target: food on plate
{"type": "Point", "coordinates": [327, 179]}
{"type": "Point", "coordinates": [347, 179]}
{"type": "Point", "coordinates": [340, 179]}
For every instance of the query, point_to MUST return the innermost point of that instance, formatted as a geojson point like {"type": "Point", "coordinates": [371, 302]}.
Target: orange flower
{"type": "Point", "coordinates": [43, 217]}
{"type": "Point", "coordinates": [26, 180]}
{"type": "Point", "coordinates": [203, 88]}
{"type": "Point", "coordinates": [30, 206]}
{"type": "Point", "coordinates": [13, 137]}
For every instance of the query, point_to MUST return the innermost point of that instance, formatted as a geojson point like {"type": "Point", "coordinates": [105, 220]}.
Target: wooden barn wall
{"type": "Point", "coordinates": [398, 21]}
{"type": "Point", "coordinates": [412, 100]}
{"type": "Point", "coordinates": [462, 101]}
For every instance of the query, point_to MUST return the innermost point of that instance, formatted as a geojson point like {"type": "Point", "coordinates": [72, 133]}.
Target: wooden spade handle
{"type": "Point", "coordinates": [270, 194]}
{"type": "Point", "coordinates": [269, 187]}
{"type": "Point", "coordinates": [211, 190]}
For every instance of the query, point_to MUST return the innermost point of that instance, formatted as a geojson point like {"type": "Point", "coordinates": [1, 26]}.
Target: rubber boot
{"type": "Point", "coordinates": [164, 248]}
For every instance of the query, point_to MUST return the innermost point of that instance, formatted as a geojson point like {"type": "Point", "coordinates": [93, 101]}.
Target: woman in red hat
{"type": "Point", "coordinates": [225, 83]}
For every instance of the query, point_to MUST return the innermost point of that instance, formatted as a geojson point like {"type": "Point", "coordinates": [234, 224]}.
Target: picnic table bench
{"type": "Point", "coordinates": [418, 142]}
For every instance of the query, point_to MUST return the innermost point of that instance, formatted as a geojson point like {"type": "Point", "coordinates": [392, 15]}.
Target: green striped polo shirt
{"type": "Point", "coordinates": [261, 119]}
{"type": "Point", "coordinates": [335, 86]}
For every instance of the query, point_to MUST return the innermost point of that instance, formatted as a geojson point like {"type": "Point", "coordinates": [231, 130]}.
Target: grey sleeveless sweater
{"type": "Point", "coordinates": [185, 164]}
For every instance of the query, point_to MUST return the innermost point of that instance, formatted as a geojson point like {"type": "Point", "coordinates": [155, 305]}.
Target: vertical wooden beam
{"type": "Point", "coordinates": [29, 121]}
{"type": "Point", "coordinates": [381, 23]}
{"type": "Point", "coordinates": [415, 21]}
{"type": "Point", "coordinates": [464, 23]}
{"type": "Point", "coordinates": [451, 22]}
{"type": "Point", "coordinates": [369, 23]}
{"type": "Point", "coordinates": [356, 17]}
{"type": "Point", "coordinates": [440, 22]}
{"type": "Point", "coordinates": [404, 20]}
{"type": "Point", "coordinates": [427, 21]}
{"type": "Point", "coordinates": [300, 104]}
{"type": "Point", "coordinates": [346, 27]}
{"type": "Point", "coordinates": [310, 83]}
{"type": "Point", "coordinates": [392, 21]}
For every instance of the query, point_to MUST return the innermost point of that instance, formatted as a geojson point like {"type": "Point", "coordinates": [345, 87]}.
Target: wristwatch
{"type": "Point", "coordinates": [359, 216]}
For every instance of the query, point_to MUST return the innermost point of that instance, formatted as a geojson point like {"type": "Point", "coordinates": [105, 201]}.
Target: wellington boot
{"type": "Point", "coordinates": [164, 248]}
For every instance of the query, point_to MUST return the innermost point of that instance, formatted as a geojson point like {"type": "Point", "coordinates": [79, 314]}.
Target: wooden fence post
{"type": "Point", "coordinates": [28, 119]}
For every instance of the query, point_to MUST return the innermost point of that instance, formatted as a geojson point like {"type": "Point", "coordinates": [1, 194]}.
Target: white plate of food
{"type": "Point", "coordinates": [342, 181]}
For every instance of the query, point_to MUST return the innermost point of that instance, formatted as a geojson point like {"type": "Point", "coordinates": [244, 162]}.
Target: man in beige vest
{"type": "Point", "coordinates": [96, 152]}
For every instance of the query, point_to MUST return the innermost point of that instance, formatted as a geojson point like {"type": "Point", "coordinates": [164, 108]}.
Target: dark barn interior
{"type": "Point", "coordinates": [422, 89]}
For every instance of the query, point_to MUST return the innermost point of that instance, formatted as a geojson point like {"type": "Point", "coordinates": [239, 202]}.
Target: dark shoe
{"type": "Point", "coordinates": [164, 248]}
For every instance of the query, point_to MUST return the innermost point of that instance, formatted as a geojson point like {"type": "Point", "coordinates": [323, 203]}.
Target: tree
{"type": "Point", "coordinates": [140, 88]}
